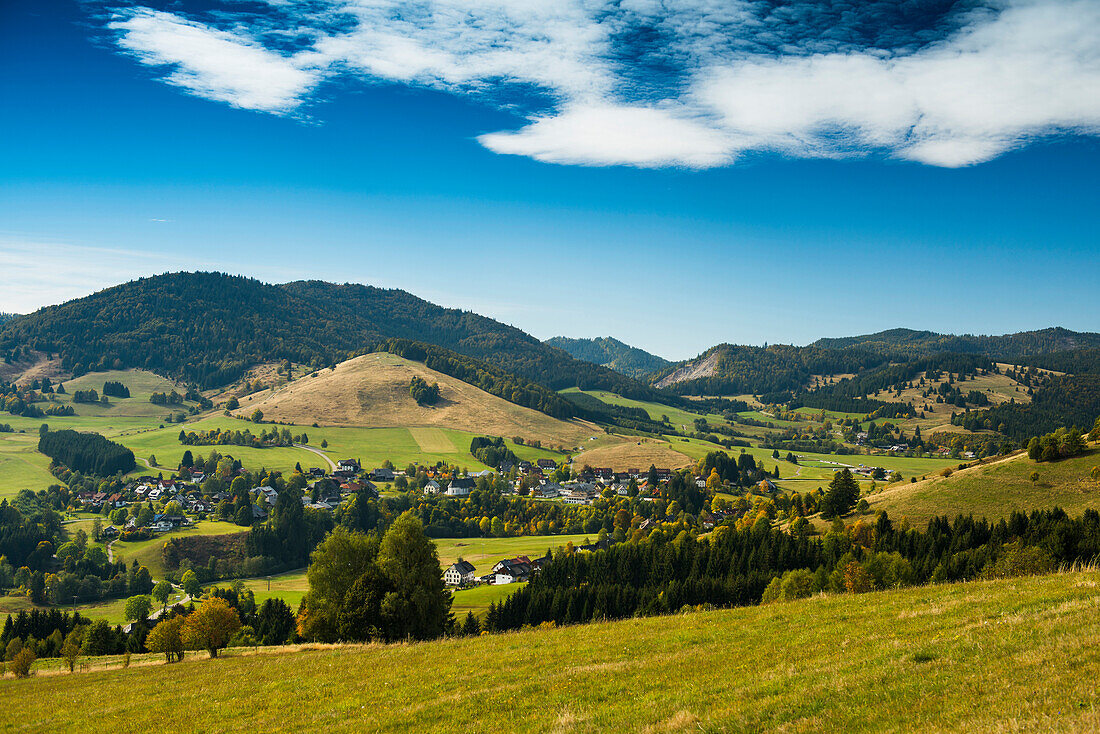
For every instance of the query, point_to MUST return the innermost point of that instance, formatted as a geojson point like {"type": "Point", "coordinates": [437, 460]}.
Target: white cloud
{"type": "Point", "coordinates": [215, 64]}
{"type": "Point", "coordinates": [689, 83]}
{"type": "Point", "coordinates": [615, 134]}
{"type": "Point", "coordinates": [1030, 70]}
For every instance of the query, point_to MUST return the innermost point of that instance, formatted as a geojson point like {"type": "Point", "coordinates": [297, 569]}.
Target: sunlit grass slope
{"type": "Point", "coordinates": [1016, 655]}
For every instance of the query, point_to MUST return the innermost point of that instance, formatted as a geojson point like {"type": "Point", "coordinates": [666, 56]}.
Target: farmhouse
{"type": "Point", "coordinates": [432, 487]}
{"type": "Point", "coordinates": [382, 474]}
{"type": "Point", "coordinates": [459, 574]}
{"type": "Point", "coordinates": [351, 465]}
{"type": "Point", "coordinates": [460, 487]}
{"type": "Point", "coordinates": [510, 571]}
{"type": "Point", "coordinates": [547, 491]}
{"type": "Point", "coordinates": [547, 464]}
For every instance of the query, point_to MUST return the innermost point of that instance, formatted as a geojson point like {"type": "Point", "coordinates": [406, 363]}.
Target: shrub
{"type": "Point", "coordinates": [22, 663]}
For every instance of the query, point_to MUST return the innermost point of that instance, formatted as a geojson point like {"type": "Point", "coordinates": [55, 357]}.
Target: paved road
{"type": "Point", "coordinates": [162, 610]}
{"type": "Point", "coordinates": [331, 463]}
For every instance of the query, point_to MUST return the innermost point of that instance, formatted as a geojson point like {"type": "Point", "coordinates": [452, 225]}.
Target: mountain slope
{"type": "Point", "coordinates": [991, 656]}
{"type": "Point", "coordinates": [373, 391]}
{"type": "Point", "coordinates": [208, 328]}
{"type": "Point", "coordinates": [611, 353]}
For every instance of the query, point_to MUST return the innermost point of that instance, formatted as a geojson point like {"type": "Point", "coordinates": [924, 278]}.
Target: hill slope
{"type": "Point", "coordinates": [373, 391]}
{"type": "Point", "coordinates": [995, 489]}
{"type": "Point", "coordinates": [1014, 655]}
{"type": "Point", "coordinates": [611, 353]}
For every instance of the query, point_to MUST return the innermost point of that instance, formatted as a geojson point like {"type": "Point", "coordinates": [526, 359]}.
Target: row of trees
{"type": "Point", "coordinates": [226, 437]}
{"type": "Point", "coordinates": [1061, 444]}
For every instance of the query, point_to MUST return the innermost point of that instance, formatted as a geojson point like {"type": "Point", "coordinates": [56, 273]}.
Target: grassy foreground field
{"type": "Point", "coordinates": [1015, 655]}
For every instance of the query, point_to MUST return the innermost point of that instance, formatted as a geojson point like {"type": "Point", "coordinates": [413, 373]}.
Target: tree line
{"type": "Point", "coordinates": [736, 566]}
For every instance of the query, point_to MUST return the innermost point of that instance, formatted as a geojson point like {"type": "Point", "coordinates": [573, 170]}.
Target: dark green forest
{"type": "Point", "coordinates": [88, 453]}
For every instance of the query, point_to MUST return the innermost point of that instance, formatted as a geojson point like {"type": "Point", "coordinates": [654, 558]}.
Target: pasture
{"type": "Point", "coordinates": [1011, 655]}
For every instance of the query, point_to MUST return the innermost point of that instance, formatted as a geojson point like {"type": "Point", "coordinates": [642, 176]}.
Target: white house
{"type": "Point", "coordinates": [459, 574]}
{"type": "Point", "coordinates": [460, 487]}
{"type": "Point", "coordinates": [351, 465]}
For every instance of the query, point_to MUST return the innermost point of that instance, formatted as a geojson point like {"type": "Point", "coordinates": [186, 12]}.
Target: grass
{"type": "Point", "coordinates": [635, 453]}
{"type": "Point", "coordinates": [141, 384]}
{"type": "Point", "coordinates": [290, 587]}
{"type": "Point", "coordinates": [112, 610]}
{"type": "Point", "coordinates": [678, 418]}
{"type": "Point", "coordinates": [813, 470]}
{"type": "Point", "coordinates": [148, 552]}
{"type": "Point", "coordinates": [478, 599]}
{"type": "Point", "coordinates": [1015, 655]}
{"type": "Point", "coordinates": [485, 552]}
{"type": "Point", "coordinates": [995, 489]}
{"type": "Point", "coordinates": [21, 466]}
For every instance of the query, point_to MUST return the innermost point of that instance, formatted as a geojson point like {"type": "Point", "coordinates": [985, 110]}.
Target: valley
{"type": "Point", "coordinates": [752, 489]}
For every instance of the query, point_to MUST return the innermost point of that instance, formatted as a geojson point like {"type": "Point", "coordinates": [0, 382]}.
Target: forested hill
{"type": "Point", "coordinates": [209, 328]}
{"type": "Point", "coordinates": [730, 369]}
{"type": "Point", "coordinates": [5, 317]}
{"type": "Point", "coordinates": [613, 354]}
{"type": "Point", "coordinates": [1017, 346]}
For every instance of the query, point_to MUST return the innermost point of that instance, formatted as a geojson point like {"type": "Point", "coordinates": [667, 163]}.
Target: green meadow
{"type": "Point", "coordinates": [676, 416]}
{"type": "Point", "coordinates": [478, 599]}
{"type": "Point", "coordinates": [996, 489]}
{"type": "Point", "coordinates": [290, 587]}
{"type": "Point", "coordinates": [485, 552]}
{"type": "Point", "coordinates": [1014, 655]}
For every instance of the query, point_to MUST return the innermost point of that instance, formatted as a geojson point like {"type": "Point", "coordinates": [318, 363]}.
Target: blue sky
{"type": "Point", "coordinates": [674, 174]}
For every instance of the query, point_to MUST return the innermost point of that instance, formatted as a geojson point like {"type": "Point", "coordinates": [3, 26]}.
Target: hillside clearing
{"type": "Point", "coordinates": [996, 489]}
{"type": "Point", "coordinates": [638, 454]}
{"type": "Point", "coordinates": [1014, 655]}
{"type": "Point", "coordinates": [373, 391]}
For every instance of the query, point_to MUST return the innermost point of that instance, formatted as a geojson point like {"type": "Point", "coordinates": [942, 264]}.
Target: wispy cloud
{"type": "Point", "coordinates": [38, 272]}
{"type": "Point", "coordinates": [219, 65]}
{"type": "Point", "coordinates": [695, 83]}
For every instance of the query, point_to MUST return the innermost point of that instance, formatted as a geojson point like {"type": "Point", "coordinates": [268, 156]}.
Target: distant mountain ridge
{"type": "Point", "coordinates": [1006, 346]}
{"type": "Point", "coordinates": [729, 369]}
{"type": "Point", "coordinates": [611, 353]}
